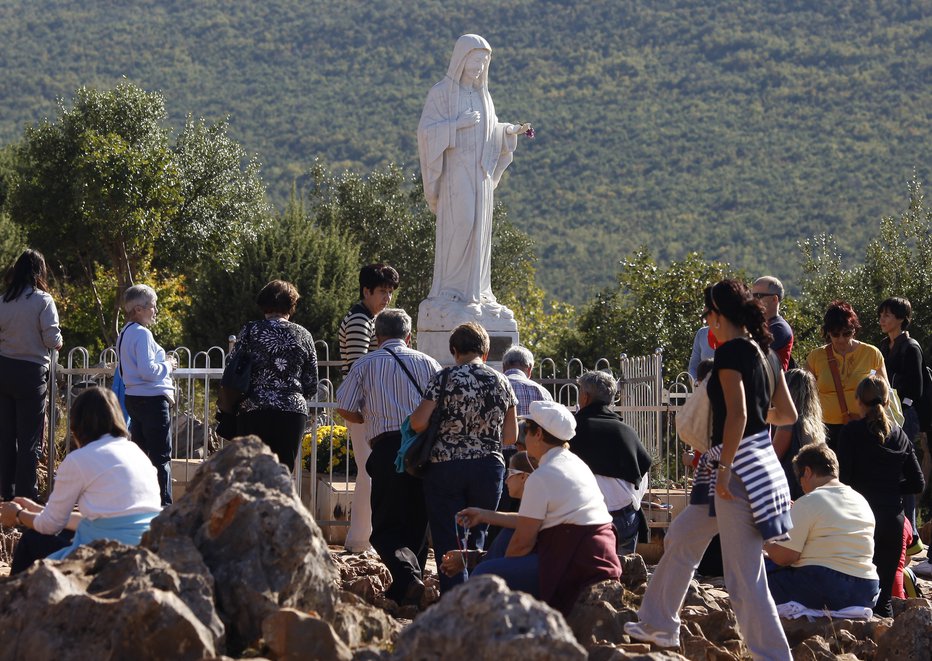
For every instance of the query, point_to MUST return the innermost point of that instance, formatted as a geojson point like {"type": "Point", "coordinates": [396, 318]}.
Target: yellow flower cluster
{"type": "Point", "coordinates": [335, 436]}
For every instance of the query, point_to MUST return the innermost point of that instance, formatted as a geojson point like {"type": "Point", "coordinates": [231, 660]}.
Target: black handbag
{"type": "Point", "coordinates": [417, 458]}
{"type": "Point", "coordinates": [234, 384]}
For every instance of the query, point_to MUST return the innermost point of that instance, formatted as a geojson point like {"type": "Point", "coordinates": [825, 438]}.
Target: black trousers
{"type": "Point", "coordinates": [34, 546]}
{"type": "Point", "coordinates": [888, 546]}
{"type": "Point", "coordinates": [282, 431]}
{"type": "Point", "coordinates": [151, 429]}
{"type": "Point", "coordinates": [22, 423]}
{"type": "Point", "coordinates": [399, 515]}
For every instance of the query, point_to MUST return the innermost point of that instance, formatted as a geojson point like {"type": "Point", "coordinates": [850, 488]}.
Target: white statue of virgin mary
{"type": "Point", "coordinates": [463, 151]}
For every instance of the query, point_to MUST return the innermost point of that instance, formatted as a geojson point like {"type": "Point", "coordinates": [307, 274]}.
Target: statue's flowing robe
{"type": "Point", "coordinates": [461, 169]}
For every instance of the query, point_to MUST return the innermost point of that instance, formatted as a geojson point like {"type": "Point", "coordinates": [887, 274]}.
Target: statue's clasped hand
{"type": "Point", "coordinates": [467, 119]}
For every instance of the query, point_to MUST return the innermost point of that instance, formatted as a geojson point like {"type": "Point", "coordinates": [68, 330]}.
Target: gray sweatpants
{"type": "Point", "coordinates": [745, 578]}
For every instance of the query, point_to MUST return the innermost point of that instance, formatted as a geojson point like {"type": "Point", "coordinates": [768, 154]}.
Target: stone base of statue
{"type": "Point", "coordinates": [437, 317]}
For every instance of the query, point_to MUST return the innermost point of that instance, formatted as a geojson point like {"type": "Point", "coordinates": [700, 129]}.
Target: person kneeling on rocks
{"type": "Point", "coordinates": [826, 563]}
{"type": "Point", "coordinates": [521, 573]}
{"type": "Point", "coordinates": [109, 477]}
{"type": "Point", "coordinates": [562, 515]}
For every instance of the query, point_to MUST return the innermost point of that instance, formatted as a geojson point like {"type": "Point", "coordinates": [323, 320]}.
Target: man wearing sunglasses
{"type": "Point", "coordinates": [769, 291]}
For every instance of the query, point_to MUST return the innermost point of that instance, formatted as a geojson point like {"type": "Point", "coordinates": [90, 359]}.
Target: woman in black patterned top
{"type": "Point", "coordinates": [284, 373]}
{"type": "Point", "coordinates": [467, 465]}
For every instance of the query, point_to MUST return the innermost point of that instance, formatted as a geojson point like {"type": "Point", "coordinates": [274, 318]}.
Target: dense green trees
{"type": "Point", "coordinates": [653, 307]}
{"type": "Point", "coordinates": [101, 186]}
{"type": "Point", "coordinates": [321, 262]}
{"type": "Point", "coordinates": [733, 129]}
{"type": "Point", "coordinates": [386, 214]}
{"type": "Point", "coordinates": [897, 262]}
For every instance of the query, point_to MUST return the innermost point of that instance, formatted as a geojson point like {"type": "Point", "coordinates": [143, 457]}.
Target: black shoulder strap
{"type": "Point", "coordinates": [406, 371]}
{"type": "Point", "coordinates": [120, 344]}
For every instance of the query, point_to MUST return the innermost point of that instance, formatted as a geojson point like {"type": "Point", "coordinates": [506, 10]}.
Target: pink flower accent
{"type": "Point", "coordinates": [530, 133]}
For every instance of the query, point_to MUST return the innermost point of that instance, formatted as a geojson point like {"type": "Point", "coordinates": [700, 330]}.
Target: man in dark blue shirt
{"type": "Point", "coordinates": [769, 291]}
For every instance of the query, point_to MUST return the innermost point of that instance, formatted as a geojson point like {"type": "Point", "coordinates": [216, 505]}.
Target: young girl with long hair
{"type": "Point", "coordinates": [877, 459]}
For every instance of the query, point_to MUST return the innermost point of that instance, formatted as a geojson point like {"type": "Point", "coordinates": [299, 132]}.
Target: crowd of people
{"type": "Point", "coordinates": [809, 479]}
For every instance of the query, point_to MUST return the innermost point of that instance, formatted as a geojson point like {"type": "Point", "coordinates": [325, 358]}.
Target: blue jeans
{"type": "Point", "coordinates": [820, 587]}
{"type": "Point", "coordinates": [626, 523]}
{"type": "Point", "coordinates": [450, 486]}
{"type": "Point", "coordinates": [520, 573]}
{"type": "Point", "coordinates": [151, 429]}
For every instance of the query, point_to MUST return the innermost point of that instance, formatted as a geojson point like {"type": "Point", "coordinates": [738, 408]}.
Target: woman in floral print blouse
{"type": "Point", "coordinates": [284, 373]}
{"type": "Point", "coordinates": [467, 465]}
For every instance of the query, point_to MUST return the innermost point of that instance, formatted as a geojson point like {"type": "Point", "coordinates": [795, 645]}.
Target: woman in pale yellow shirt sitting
{"type": "Point", "coordinates": [854, 360]}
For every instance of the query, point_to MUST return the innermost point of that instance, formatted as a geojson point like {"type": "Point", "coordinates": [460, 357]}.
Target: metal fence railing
{"type": "Point", "coordinates": [644, 402]}
{"type": "Point", "coordinates": [196, 381]}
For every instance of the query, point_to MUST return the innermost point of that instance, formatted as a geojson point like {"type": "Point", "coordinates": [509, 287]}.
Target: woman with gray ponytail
{"type": "Point", "coordinates": [877, 459]}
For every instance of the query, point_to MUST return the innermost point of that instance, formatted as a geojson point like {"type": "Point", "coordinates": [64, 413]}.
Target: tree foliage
{"type": "Point", "coordinates": [686, 126]}
{"type": "Point", "coordinates": [897, 262]}
{"type": "Point", "coordinates": [653, 307]}
{"type": "Point", "coordinates": [102, 186]}
{"type": "Point", "coordinates": [320, 262]}
{"type": "Point", "coordinates": [386, 214]}
{"type": "Point", "coordinates": [223, 203]}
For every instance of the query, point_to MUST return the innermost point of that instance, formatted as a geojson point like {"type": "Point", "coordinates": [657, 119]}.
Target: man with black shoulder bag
{"type": "Point", "coordinates": [381, 389]}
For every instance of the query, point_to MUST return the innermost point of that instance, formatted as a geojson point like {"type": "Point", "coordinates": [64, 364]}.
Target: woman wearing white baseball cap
{"type": "Point", "coordinates": [562, 514]}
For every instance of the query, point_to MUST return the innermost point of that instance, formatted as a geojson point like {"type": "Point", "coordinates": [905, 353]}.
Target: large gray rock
{"type": "Point", "coordinates": [910, 637]}
{"type": "Point", "coordinates": [600, 613]}
{"type": "Point", "coordinates": [359, 623]}
{"type": "Point", "coordinates": [295, 636]}
{"type": "Point", "coordinates": [482, 620]}
{"type": "Point", "coordinates": [263, 548]}
{"type": "Point", "coordinates": [107, 601]}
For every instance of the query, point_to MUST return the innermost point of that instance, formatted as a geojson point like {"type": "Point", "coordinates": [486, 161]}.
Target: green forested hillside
{"type": "Point", "coordinates": [731, 127]}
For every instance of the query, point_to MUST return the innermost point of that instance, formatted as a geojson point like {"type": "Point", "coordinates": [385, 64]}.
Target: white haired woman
{"type": "Point", "coordinates": [146, 370]}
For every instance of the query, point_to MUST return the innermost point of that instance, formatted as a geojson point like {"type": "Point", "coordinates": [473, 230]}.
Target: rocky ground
{"type": "Point", "coordinates": [238, 569]}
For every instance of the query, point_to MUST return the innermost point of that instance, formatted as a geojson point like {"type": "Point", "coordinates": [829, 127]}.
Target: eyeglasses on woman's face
{"type": "Point", "coordinates": [848, 332]}
{"type": "Point", "coordinates": [514, 471]}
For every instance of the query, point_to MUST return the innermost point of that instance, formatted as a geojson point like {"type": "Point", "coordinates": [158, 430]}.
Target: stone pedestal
{"type": "Point", "coordinates": [436, 319]}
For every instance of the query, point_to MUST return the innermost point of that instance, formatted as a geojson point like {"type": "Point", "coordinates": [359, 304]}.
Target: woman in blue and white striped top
{"type": "Point", "coordinates": [740, 492]}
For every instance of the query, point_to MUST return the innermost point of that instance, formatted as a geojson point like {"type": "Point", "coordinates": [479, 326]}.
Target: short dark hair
{"type": "Point", "coordinates": [900, 308]}
{"type": "Point", "coordinates": [522, 461]}
{"type": "Point", "coordinates": [393, 323]}
{"type": "Point", "coordinates": [549, 438]}
{"type": "Point", "coordinates": [817, 456]}
{"type": "Point", "coordinates": [96, 412]}
{"type": "Point", "coordinates": [278, 297]}
{"type": "Point", "coordinates": [377, 275]}
{"type": "Point", "coordinates": [839, 316]}
{"type": "Point", "coordinates": [469, 338]}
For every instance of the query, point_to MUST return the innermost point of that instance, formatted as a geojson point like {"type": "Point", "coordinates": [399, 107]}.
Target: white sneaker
{"type": "Point", "coordinates": [923, 569]}
{"type": "Point", "coordinates": [648, 634]}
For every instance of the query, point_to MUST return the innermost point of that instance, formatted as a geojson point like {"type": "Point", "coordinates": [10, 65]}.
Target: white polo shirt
{"type": "Point", "coordinates": [563, 490]}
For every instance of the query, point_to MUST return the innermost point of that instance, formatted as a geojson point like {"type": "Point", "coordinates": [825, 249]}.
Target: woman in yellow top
{"type": "Point", "coordinates": [855, 360]}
